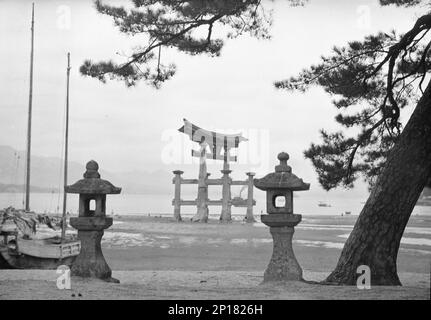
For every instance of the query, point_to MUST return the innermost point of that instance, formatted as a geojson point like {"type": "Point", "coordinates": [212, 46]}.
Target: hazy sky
{"type": "Point", "coordinates": [127, 129]}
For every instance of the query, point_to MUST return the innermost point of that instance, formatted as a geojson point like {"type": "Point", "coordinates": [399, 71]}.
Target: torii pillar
{"type": "Point", "coordinates": [226, 207]}
{"type": "Point", "coordinates": [202, 200]}
{"type": "Point", "coordinates": [249, 215]}
{"type": "Point", "coordinates": [177, 199]}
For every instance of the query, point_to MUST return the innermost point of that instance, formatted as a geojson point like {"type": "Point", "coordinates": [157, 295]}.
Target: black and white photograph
{"type": "Point", "coordinates": [229, 153]}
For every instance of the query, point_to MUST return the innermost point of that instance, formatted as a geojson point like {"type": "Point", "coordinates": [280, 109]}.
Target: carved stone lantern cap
{"type": "Point", "coordinates": [282, 178]}
{"type": "Point", "coordinates": [92, 184]}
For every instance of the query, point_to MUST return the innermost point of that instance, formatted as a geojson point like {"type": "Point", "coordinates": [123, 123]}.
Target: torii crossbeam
{"type": "Point", "coordinates": [217, 142]}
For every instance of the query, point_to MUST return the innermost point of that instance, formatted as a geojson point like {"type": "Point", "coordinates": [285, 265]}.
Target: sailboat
{"type": "Point", "coordinates": [324, 204]}
{"type": "Point", "coordinates": [20, 251]}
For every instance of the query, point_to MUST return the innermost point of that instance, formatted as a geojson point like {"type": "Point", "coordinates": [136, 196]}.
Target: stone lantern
{"type": "Point", "coordinates": [91, 223]}
{"type": "Point", "coordinates": [280, 185]}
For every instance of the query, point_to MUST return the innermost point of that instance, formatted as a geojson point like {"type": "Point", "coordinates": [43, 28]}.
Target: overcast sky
{"type": "Point", "coordinates": [128, 129]}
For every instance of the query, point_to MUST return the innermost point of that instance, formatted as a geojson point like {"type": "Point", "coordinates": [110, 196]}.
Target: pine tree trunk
{"type": "Point", "coordinates": [376, 236]}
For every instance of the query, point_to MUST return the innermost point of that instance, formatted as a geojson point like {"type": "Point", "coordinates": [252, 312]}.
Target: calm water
{"type": "Point", "coordinates": [161, 204]}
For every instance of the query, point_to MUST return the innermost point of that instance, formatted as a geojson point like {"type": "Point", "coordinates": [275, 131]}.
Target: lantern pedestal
{"type": "Point", "coordinates": [91, 262]}
{"type": "Point", "coordinates": [283, 265]}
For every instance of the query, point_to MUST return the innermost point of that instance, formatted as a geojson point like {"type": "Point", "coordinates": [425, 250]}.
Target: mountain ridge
{"type": "Point", "coordinates": [47, 175]}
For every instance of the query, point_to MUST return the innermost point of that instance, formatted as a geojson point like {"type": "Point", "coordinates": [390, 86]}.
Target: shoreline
{"type": "Point", "coordinates": [159, 258]}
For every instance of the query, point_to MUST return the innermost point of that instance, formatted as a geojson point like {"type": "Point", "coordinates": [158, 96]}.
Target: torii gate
{"type": "Point", "coordinates": [220, 146]}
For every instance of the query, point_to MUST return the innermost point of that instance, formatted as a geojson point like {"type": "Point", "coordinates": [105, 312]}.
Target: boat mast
{"type": "Point", "coordinates": [66, 151]}
{"type": "Point", "coordinates": [30, 102]}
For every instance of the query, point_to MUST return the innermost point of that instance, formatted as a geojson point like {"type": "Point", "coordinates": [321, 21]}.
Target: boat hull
{"type": "Point", "coordinates": [49, 248]}
{"type": "Point", "coordinates": [13, 260]}
{"type": "Point", "coordinates": [19, 253]}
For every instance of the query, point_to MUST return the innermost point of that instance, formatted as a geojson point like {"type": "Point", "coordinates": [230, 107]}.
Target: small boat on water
{"type": "Point", "coordinates": [324, 204]}
{"type": "Point", "coordinates": [20, 247]}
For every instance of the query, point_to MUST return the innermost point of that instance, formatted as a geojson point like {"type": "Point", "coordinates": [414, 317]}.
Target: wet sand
{"type": "Point", "coordinates": [162, 244]}
{"type": "Point", "coordinates": [158, 258]}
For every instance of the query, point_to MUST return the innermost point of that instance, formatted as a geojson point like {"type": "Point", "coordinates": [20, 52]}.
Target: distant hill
{"type": "Point", "coordinates": [46, 175]}
{"type": "Point", "coordinates": [14, 188]}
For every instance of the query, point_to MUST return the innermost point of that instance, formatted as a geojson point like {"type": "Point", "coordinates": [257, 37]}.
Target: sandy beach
{"type": "Point", "coordinates": [157, 258]}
